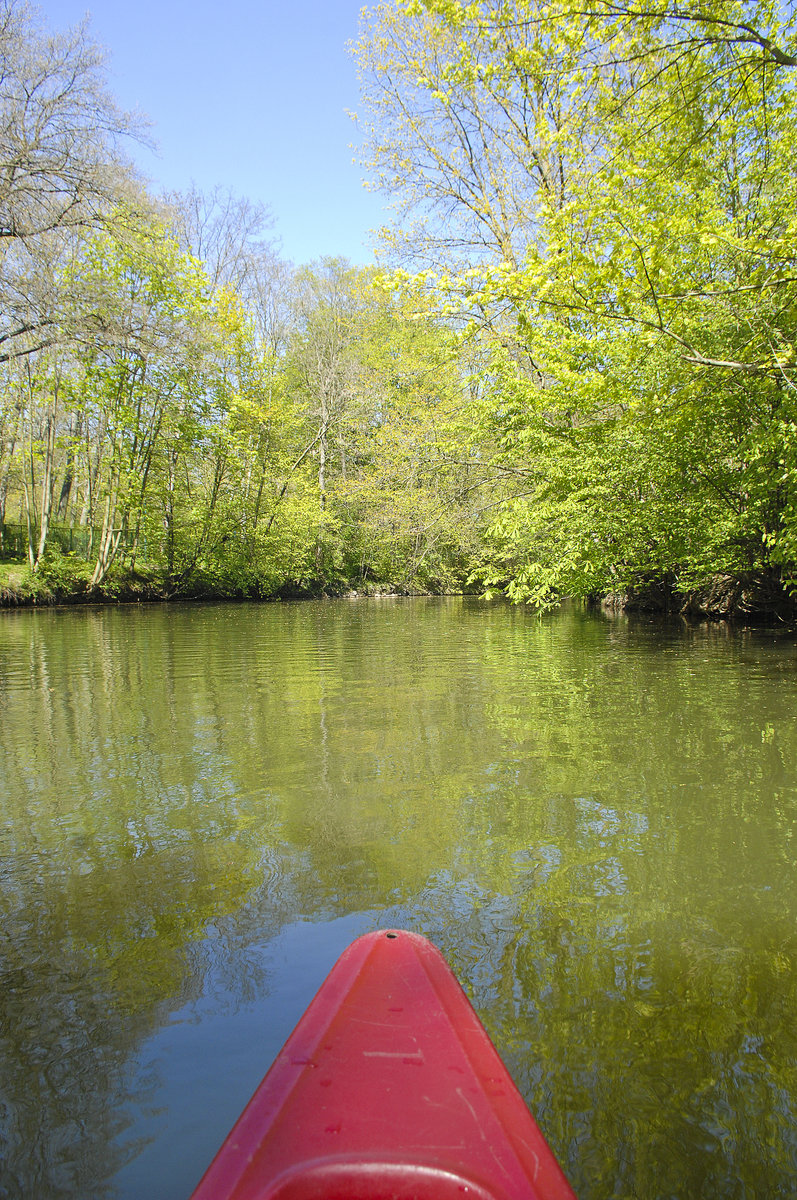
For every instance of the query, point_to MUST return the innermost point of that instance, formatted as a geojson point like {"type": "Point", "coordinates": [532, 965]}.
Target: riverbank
{"type": "Point", "coordinates": [750, 598]}
{"type": "Point", "coordinates": [19, 588]}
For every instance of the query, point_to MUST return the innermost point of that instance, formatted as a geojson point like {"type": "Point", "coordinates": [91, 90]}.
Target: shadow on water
{"type": "Point", "coordinates": [592, 818]}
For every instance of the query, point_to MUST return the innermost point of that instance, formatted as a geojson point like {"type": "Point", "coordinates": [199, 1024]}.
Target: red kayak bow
{"type": "Point", "coordinates": [388, 1089]}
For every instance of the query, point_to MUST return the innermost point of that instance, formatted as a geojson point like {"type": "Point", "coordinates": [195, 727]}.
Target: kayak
{"type": "Point", "coordinates": [389, 1088]}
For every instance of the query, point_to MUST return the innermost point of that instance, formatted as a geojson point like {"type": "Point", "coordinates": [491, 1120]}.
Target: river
{"type": "Point", "coordinates": [593, 818]}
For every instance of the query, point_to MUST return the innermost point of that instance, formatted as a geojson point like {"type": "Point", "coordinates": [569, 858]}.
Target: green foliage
{"type": "Point", "coordinates": [63, 574]}
{"type": "Point", "coordinates": [179, 439]}
{"type": "Point", "coordinates": [606, 201]}
{"type": "Point", "coordinates": [582, 379]}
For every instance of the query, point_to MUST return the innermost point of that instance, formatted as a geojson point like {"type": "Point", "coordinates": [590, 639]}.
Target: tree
{"type": "Point", "coordinates": [229, 234]}
{"type": "Point", "coordinates": [61, 167]}
{"type": "Point", "coordinates": [511, 132]}
{"type": "Point", "coordinates": [680, 236]}
{"type": "Point", "coordinates": [406, 501]}
{"type": "Point", "coordinates": [141, 376]}
{"type": "Point", "coordinates": [463, 109]}
{"type": "Point", "coordinates": [655, 290]}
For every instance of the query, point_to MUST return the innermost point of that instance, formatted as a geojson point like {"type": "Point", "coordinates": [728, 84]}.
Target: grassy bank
{"type": "Point", "coordinates": [64, 580]}
{"type": "Point", "coordinates": [19, 586]}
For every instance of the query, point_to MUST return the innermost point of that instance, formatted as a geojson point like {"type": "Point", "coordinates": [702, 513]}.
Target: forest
{"type": "Point", "coordinates": [571, 374]}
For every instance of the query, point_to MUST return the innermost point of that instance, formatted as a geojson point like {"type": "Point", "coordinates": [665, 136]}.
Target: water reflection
{"type": "Point", "coordinates": [594, 820]}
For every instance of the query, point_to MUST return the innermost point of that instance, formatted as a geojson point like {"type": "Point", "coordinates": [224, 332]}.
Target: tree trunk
{"type": "Point", "coordinates": [48, 486]}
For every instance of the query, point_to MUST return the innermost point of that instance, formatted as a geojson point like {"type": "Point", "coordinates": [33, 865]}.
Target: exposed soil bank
{"type": "Point", "coordinates": [753, 597]}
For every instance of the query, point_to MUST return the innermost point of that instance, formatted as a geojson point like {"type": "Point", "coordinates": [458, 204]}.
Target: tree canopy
{"type": "Point", "coordinates": [574, 376]}
{"type": "Point", "coordinates": [605, 194]}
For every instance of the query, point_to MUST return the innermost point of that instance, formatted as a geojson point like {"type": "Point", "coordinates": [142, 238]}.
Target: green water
{"type": "Point", "coordinates": [594, 819]}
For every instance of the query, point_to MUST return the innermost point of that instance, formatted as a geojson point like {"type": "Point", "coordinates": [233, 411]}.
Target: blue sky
{"type": "Point", "coordinates": [249, 94]}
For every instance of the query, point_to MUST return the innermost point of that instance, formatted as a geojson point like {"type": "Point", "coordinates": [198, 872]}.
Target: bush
{"type": "Point", "coordinates": [59, 574]}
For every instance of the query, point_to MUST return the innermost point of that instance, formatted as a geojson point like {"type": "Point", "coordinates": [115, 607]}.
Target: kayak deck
{"type": "Point", "coordinates": [389, 1088]}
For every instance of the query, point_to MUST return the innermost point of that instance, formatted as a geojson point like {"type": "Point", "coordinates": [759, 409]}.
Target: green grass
{"type": "Point", "coordinates": [12, 576]}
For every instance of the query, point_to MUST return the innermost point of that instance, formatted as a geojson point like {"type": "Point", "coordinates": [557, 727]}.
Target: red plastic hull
{"type": "Point", "coordinates": [388, 1089]}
